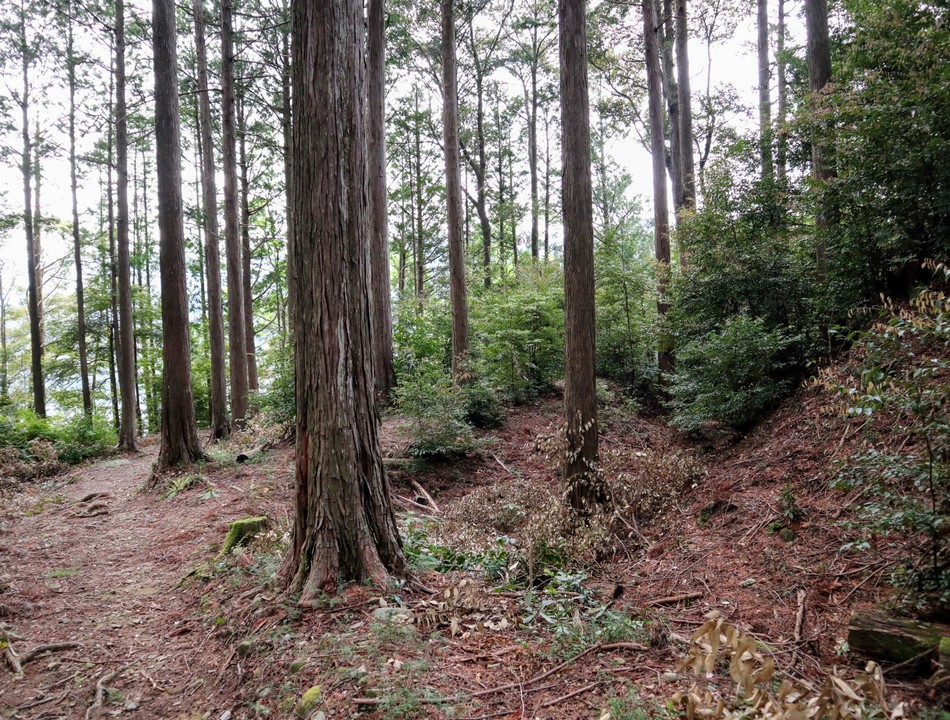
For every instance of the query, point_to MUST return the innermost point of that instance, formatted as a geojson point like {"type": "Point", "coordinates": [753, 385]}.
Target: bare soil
{"type": "Point", "coordinates": [167, 631]}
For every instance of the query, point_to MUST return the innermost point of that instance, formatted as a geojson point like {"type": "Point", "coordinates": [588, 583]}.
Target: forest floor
{"type": "Point", "coordinates": [142, 620]}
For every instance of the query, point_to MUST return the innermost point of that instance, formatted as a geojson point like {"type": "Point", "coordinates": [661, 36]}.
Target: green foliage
{"type": "Point", "coordinates": [732, 376]}
{"type": "Point", "coordinates": [74, 439]}
{"type": "Point", "coordinates": [434, 411]}
{"type": "Point", "coordinates": [903, 376]}
{"type": "Point", "coordinates": [279, 399]}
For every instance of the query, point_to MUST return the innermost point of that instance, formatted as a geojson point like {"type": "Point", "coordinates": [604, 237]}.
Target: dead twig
{"type": "Point", "coordinates": [800, 616]}
{"type": "Point", "coordinates": [51, 647]}
{"type": "Point", "coordinates": [43, 700]}
{"type": "Point", "coordinates": [673, 599]}
{"type": "Point", "coordinates": [580, 691]}
{"type": "Point", "coordinates": [503, 466]}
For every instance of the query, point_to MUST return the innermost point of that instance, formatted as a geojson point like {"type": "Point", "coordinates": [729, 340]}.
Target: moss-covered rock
{"type": "Point", "coordinates": [308, 701]}
{"type": "Point", "coordinates": [242, 531]}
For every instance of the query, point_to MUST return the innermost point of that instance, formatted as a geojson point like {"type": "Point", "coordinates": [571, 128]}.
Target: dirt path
{"type": "Point", "coordinates": [109, 582]}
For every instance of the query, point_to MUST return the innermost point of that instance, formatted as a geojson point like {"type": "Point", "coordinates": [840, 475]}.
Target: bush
{"type": "Point", "coordinates": [81, 437]}
{"type": "Point", "coordinates": [279, 399]}
{"type": "Point", "coordinates": [731, 376]}
{"type": "Point", "coordinates": [435, 413]}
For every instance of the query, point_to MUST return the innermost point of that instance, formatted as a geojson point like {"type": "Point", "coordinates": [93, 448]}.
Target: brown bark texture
{"type": "Point", "coordinates": [685, 107]}
{"type": "Point", "coordinates": [220, 427]}
{"type": "Point", "coordinates": [453, 194]}
{"type": "Point", "coordinates": [765, 99]}
{"type": "Point", "coordinates": [179, 441]}
{"type": "Point", "coordinates": [344, 526]}
{"type": "Point", "coordinates": [246, 279]}
{"type": "Point", "coordinates": [671, 94]}
{"type": "Point", "coordinates": [819, 75]}
{"type": "Point", "coordinates": [379, 217]}
{"type": "Point", "coordinates": [237, 337]}
{"type": "Point", "coordinates": [126, 345]}
{"type": "Point", "coordinates": [781, 151]}
{"type": "Point", "coordinates": [581, 486]}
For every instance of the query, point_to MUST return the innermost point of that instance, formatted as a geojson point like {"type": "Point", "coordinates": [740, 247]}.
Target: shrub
{"type": "Point", "coordinates": [279, 399]}
{"type": "Point", "coordinates": [81, 437]}
{"type": "Point", "coordinates": [434, 412]}
{"type": "Point", "coordinates": [731, 376]}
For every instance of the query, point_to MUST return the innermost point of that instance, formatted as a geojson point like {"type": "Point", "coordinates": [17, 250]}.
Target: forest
{"type": "Point", "coordinates": [475, 359]}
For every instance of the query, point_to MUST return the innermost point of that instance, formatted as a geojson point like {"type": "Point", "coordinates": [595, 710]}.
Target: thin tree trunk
{"type": "Point", "coordinates": [453, 196]}
{"type": "Point", "coordinates": [71, 63]}
{"type": "Point", "coordinates": [582, 487]}
{"type": "Point", "coordinates": [782, 144]}
{"type": "Point", "coordinates": [209, 214]}
{"type": "Point", "coordinates": [36, 342]}
{"type": "Point", "coordinates": [113, 269]}
{"type": "Point", "coordinates": [379, 223]}
{"type": "Point", "coordinates": [685, 107]}
{"type": "Point", "coordinates": [344, 526]}
{"type": "Point", "coordinates": [286, 129]}
{"type": "Point", "coordinates": [533, 155]}
{"type": "Point", "coordinates": [179, 444]}
{"type": "Point", "coordinates": [419, 246]}
{"type": "Point", "coordinates": [661, 211]}
{"type": "Point", "coordinates": [237, 337]}
{"type": "Point", "coordinates": [247, 285]}
{"type": "Point", "coordinates": [547, 189]}
{"type": "Point", "coordinates": [765, 99]}
{"type": "Point", "coordinates": [674, 164]}
{"type": "Point", "coordinates": [4, 358]}
{"type": "Point", "coordinates": [127, 371]}
{"type": "Point", "coordinates": [38, 232]}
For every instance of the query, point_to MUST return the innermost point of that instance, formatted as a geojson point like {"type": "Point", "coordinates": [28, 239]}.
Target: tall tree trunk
{"type": "Point", "coordinates": [71, 63]}
{"type": "Point", "coordinates": [819, 75]}
{"type": "Point", "coordinates": [674, 164]}
{"type": "Point", "coordinates": [685, 107]}
{"type": "Point", "coordinates": [782, 144]}
{"type": "Point", "coordinates": [547, 189]}
{"type": "Point", "coordinates": [127, 371]}
{"type": "Point", "coordinates": [179, 444]}
{"type": "Point", "coordinates": [661, 210]}
{"type": "Point", "coordinates": [112, 265]}
{"type": "Point", "coordinates": [286, 130]}
{"type": "Point", "coordinates": [379, 225]}
{"type": "Point", "coordinates": [246, 279]}
{"type": "Point", "coordinates": [344, 526]}
{"type": "Point", "coordinates": [26, 169]}
{"type": "Point", "coordinates": [419, 244]}
{"type": "Point", "coordinates": [237, 337]}
{"type": "Point", "coordinates": [38, 231]}
{"type": "Point", "coordinates": [582, 487]}
{"type": "Point", "coordinates": [209, 214]}
{"type": "Point", "coordinates": [765, 98]}
{"type": "Point", "coordinates": [4, 358]}
{"type": "Point", "coordinates": [453, 195]}
{"type": "Point", "coordinates": [479, 164]}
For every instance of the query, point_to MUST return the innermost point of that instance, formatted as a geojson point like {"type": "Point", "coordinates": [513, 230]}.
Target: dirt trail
{"type": "Point", "coordinates": [110, 583]}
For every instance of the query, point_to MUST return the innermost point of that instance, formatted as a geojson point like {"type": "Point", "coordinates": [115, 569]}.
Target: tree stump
{"type": "Point", "coordinates": [900, 641]}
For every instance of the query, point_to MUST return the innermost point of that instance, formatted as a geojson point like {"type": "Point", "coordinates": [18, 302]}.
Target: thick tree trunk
{"type": "Point", "coordinates": [26, 169]}
{"type": "Point", "coordinates": [179, 444]}
{"type": "Point", "coordinates": [782, 137]}
{"type": "Point", "coordinates": [209, 214]}
{"type": "Point", "coordinates": [379, 214]}
{"type": "Point", "coordinates": [582, 486]}
{"type": "Point", "coordinates": [71, 62]}
{"type": "Point", "coordinates": [237, 337]}
{"type": "Point", "coordinates": [453, 195]}
{"type": "Point", "coordinates": [247, 285]}
{"type": "Point", "coordinates": [765, 98]}
{"type": "Point", "coordinates": [344, 527]}
{"type": "Point", "coordinates": [819, 75]}
{"type": "Point", "coordinates": [661, 210]}
{"type": "Point", "coordinates": [127, 371]}
{"type": "Point", "coordinates": [685, 107]}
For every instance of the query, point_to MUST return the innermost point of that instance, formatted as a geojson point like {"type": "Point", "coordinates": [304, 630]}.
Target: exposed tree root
{"type": "Point", "coordinates": [100, 697]}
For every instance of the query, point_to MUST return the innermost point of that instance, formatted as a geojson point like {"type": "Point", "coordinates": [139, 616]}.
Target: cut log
{"type": "Point", "coordinates": [253, 453]}
{"type": "Point", "coordinates": [912, 644]}
{"type": "Point", "coordinates": [241, 532]}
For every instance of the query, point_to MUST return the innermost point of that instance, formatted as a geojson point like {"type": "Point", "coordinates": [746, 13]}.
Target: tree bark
{"type": "Point", "coordinates": [220, 427]}
{"type": "Point", "coordinates": [688, 172]}
{"type": "Point", "coordinates": [453, 195]}
{"type": "Point", "coordinates": [661, 210]}
{"type": "Point", "coordinates": [179, 442]}
{"type": "Point", "coordinates": [247, 285]}
{"type": "Point", "coordinates": [819, 75]}
{"type": "Point", "coordinates": [26, 169]}
{"type": "Point", "coordinates": [582, 487]}
{"type": "Point", "coordinates": [344, 527]}
{"type": "Point", "coordinates": [237, 336]}
{"type": "Point", "coordinates": [782, 135]}
{"type": "Point", "coordinates": [286, 129]}
{"type": "Point", "coordinates": [671, 92]}
{"type": "Point", "coordinates": [71, 63]}
{"type": "Point", "coordinates": [127, 372]}
{"type": "Point", "coordinates": [765, 98]}
{"type": "Point", "coordinates": [379, 212]}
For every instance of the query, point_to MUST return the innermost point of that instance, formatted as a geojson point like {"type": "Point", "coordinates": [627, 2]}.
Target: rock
{"type": "Point", "coordinates": [226, 715]}
{"type": "Point", "coordinates": [392, 614]}
{"type": "Point", "coordinates": [244, 648]}
{"type": "Point", "coordinates": [307, 702]}
{"type": "Point", "coordinates": [241, 531]}
{"type": "Point", "coordinates": [297, 665]}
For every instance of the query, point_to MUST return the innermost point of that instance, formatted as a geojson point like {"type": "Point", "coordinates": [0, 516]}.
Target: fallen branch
{"type": "Point", "coordinates": [44, 700]}
{"type": "Point", "coordinates": [412, 504]}
{"type": "Point", "coordinates": [800, 617]}
{"type": "Point", "coordinates": [422, 491]}
{"type": "Point", "coordinates": [253, 452]}
{"type": "Point", "coordinates": [12, 659]}
{"type": "Point", "coordinates": [100, 698]}
{"type": "Point", "coordinates": [503, 466]}
{"type": "Point", "coordinates": [673, 599]}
